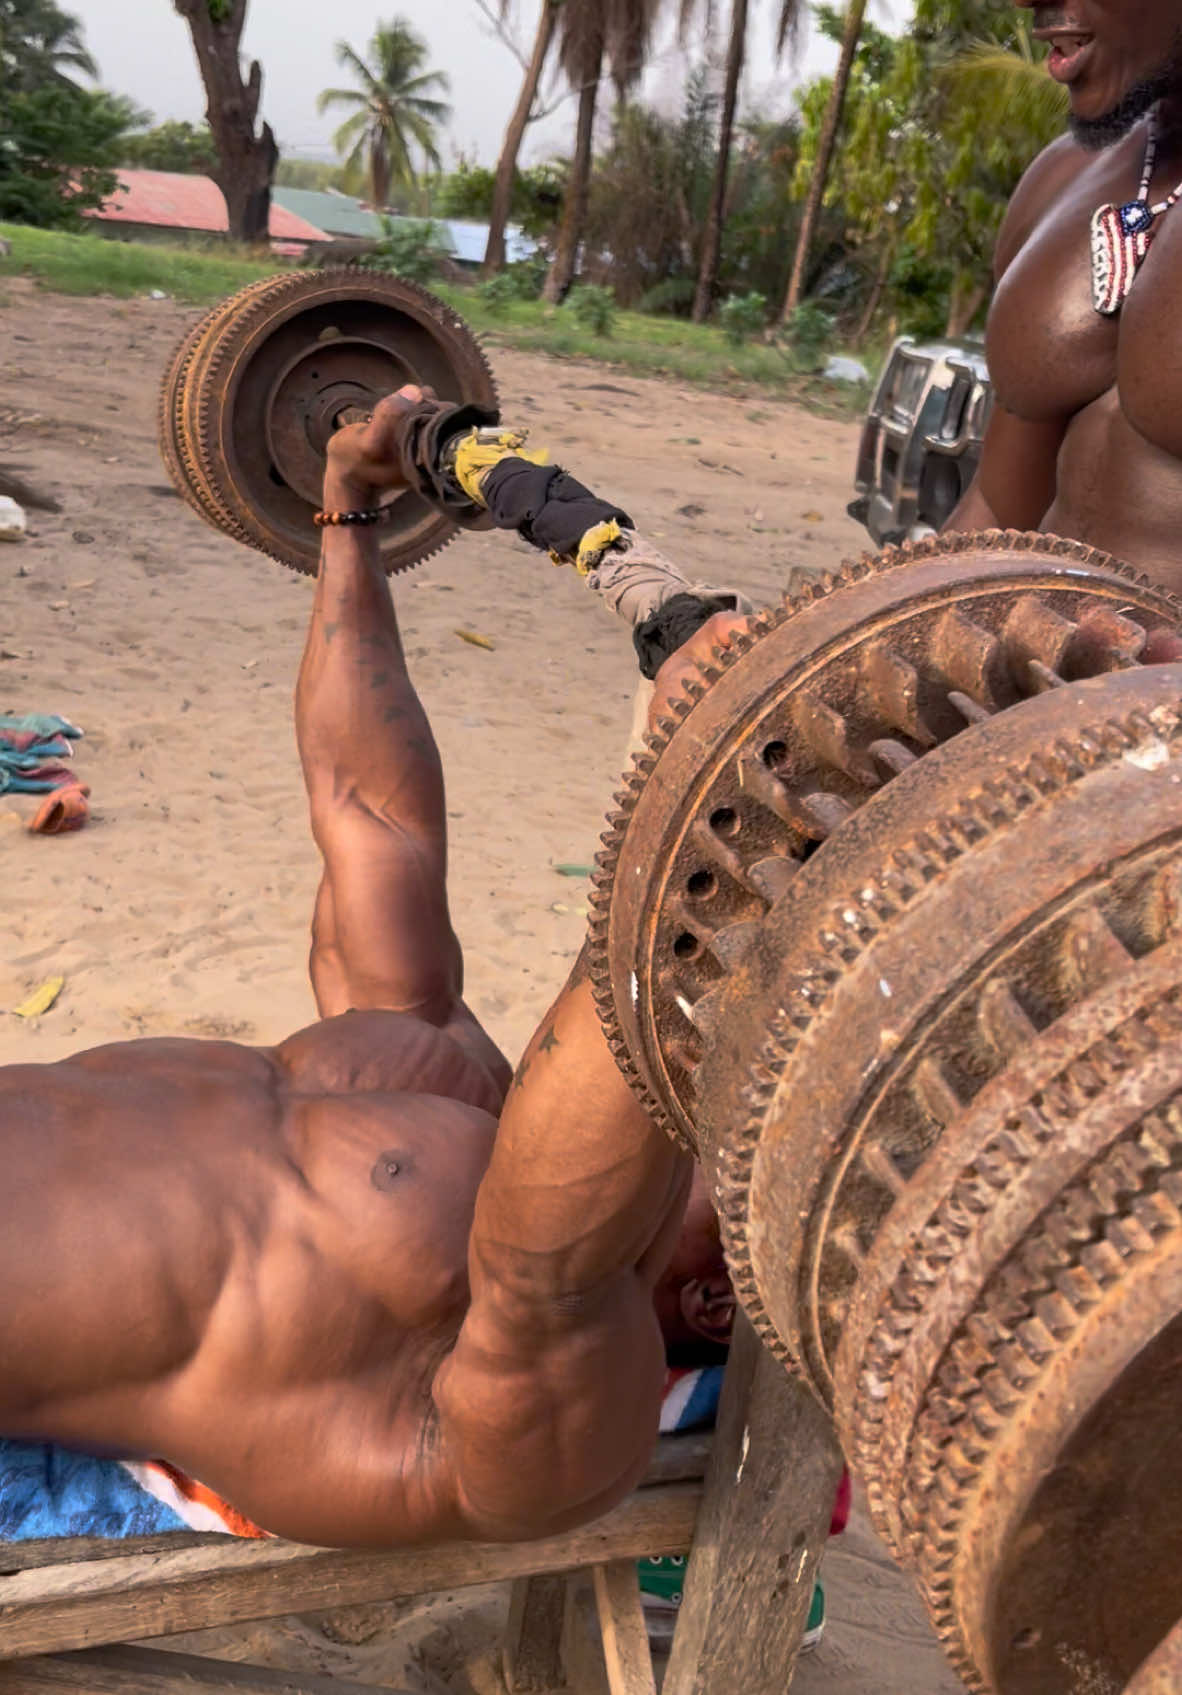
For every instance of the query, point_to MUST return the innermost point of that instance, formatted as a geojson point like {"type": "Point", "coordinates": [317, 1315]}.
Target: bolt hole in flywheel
{"type": "Point", "coordinates": [258, 386]}
{"type": "Point", "coordinates": [833, 694]}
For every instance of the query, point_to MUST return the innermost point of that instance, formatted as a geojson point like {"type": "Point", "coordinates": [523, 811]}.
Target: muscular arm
{"type": "Point", "coordinates": [382, 936]}
{"type": "Point", "coordinates": [549, 1405]}
{"type": "Point", "coordinates": [1015, 483]}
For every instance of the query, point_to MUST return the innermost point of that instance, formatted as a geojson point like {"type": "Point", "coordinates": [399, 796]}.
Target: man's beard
{"type": "Point", "coordinates": [1113, 125]}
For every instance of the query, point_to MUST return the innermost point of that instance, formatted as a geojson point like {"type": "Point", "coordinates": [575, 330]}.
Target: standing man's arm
{"type": "Point", "coordinates": [1014, 487]}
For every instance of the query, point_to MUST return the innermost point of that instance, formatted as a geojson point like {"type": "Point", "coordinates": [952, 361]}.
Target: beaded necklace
{"type": "Point", "coordinates": [1121, 236]}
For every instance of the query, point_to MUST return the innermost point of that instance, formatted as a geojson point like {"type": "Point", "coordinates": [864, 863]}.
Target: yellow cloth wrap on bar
{"type": "Point", "coordinates": [479, 452]}
{"type": "Point", "coordinates": [593, 546]}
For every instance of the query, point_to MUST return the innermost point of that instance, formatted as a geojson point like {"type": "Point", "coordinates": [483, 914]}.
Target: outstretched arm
{"type": "Point", "coordinates": [382, 936]}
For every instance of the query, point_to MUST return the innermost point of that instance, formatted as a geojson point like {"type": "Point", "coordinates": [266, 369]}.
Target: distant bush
{"type": "Point", "coordinates": [593, 307]}
{"type": "Point", "coordinates": [673, 297]}
{"type": "Point", "coordinates": [743, 316]}
{"type": "Point", "coordinates": [408, 247]}
{"type": "Point", "coordinates": [808, 334]}
{"type": "Point", "coordinates": [498, 292]}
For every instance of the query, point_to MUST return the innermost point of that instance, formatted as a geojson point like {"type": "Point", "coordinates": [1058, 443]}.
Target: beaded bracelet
{"type": "Point", "coordinates": [330, 520]}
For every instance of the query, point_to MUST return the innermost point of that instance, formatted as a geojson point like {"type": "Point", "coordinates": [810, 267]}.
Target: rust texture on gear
{"type": "Point", "coordinates": [946, 1144]}
{"type": "Point", "coordinates": [1161, 1673]}
{"type": "Point", "coordinates": [779, 741]}
{"type": "Point", "coordinates": [257, 387]}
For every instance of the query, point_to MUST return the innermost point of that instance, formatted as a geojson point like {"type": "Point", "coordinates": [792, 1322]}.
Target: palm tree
{"type": "Point", "coordinates": [523, 112]}
{"type": "Point", "coordinates": [594, 33]}
{"type": "Point", "coordinates": [40, 43]}
{"type": "Point", "coordinates": [851, 35]}
{"type": "Point", "coordinates": [736, 53]}
{"type": "Point", "coordinates": [395, 111]}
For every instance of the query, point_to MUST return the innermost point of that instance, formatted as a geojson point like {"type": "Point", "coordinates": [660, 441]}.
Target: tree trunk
{"type": "Point", "coordinates": [876, 293]}
{"type": "Point", "coordinates": [502, 201]}
{"type": "Point", "coordinates": [574, 210]}
{"type": "Point", "coordinates": [968, 296]}
{"type": "Point", "coordinates": [712, 236]}
{"type": "Point", "coordinates": [825, 144]}
{"type": "Point", "coordinates": [246, 161]}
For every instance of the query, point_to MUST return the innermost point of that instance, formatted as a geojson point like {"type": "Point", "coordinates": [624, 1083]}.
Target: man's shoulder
{"type": "Point", "coordinates": [1041, 183]}
{"type": "Point", "coordinates": [378, 1051]}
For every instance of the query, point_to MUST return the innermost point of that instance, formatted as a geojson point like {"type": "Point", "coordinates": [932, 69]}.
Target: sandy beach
{"type": "Point", "coordinates": [183, 908]}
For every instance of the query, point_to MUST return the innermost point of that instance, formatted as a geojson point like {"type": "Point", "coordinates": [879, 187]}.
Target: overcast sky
{"type": "Point", "coordinates": [143, 50]}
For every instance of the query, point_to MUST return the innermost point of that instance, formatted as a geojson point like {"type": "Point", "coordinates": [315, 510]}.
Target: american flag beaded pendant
{"type": "Point", "coordinates": [1121, 236]}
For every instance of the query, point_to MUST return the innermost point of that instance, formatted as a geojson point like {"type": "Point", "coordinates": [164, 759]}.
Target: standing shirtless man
{"type": "Point", "coordinates": [1086, 434]}
{"type": "Point", "coordinates": [360, 1284]}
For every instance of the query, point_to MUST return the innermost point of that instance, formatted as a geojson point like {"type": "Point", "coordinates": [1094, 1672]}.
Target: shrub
{"type": "Point", "coordinates": [594, 308]}
{"type": "Point", "coordinates": [743, 316]}
{"type": "Point", "coordinates": [808, 334]}
{"type": "Point", "coordinates": [408, 247]}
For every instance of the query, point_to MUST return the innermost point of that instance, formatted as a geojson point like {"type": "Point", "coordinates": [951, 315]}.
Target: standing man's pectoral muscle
{"type": "Point", "coordinates": [1084, 439]}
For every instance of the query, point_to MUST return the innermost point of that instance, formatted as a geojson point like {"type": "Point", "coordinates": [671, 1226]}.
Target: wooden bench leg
{"type": "Point", "coordinates": [763, 1523]}
{"type": "Point", "coordinates": [621, 1624]}
{"type": "Point", "coordinates": [533, 1655]}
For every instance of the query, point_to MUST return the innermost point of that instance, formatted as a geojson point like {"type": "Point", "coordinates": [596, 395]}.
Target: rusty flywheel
{"type": "Point", "coordinates": [833, 694]}
{"type": "Point", "coordinates": [257, 387]}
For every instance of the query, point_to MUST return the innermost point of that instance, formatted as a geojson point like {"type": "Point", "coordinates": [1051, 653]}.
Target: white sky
{"type": "Point", "coordinates": [143, 49]}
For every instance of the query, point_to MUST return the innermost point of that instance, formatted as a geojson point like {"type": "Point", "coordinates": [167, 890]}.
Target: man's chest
{"type": "Point", "coordinates": [1052, 354]}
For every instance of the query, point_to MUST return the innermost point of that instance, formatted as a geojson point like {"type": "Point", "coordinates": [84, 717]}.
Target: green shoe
{"type": "Point", "coordinates": [815, 1628]}
{"type": "Point", "coordinates": [661, 1585]}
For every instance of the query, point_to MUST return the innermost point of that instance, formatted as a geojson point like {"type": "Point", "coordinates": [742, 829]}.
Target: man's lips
{"type": "Point", "coordinates": [1069, 52]}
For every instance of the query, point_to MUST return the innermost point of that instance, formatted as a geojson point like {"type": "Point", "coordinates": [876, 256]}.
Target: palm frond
{"type": "Point", "coordinates": [1012, 83]}
{"type": "Point", "coordinates": [790, 27]}
{"type": "Point", "coordinates": [339, 97]}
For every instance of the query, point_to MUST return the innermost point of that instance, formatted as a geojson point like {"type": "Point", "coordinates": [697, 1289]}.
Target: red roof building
{"type": "Point", "coordinates": [163, 201]}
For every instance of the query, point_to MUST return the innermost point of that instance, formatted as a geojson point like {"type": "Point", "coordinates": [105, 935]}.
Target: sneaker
{"type": "Point", "coordinates": [815, 1628]}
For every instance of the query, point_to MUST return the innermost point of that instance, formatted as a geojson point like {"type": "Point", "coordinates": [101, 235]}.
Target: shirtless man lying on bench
{"type": "Point", "coordinates": [364, 1285]}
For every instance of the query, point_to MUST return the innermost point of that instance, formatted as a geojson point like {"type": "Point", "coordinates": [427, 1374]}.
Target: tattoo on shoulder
{"type": "Point", "coordinates": [549, 1042]}
{"type": "Point", "coordinates": [545, 1044]}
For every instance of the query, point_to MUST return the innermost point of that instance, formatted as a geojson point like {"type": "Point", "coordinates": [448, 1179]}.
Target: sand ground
{"type": "Point", "coordinates": [183, 908]}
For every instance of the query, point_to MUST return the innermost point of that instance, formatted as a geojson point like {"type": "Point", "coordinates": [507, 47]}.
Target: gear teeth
{"type": "Point", "coordinates": [934, 1092]}
{"type": "Point", "coordinates": [892, 682]}
{"type": "Point", "coordinates": [970, 710]}
{"type": "Point", "coordinates": [879, 1165]}
{"type": "Point", "coordinates": [773, 877]}
{"type": "Point", "coordinates": [733, 945]}
{"type": "Point", "coordinates": [1003, 1021]}
{"type": "Point", "coordinates": [826, 732]}
{"type": "Point", "coordinates": [1036, 631]}
{"type": "Point", "coordinates": [772, 776]}
{"type": "Point", "coordinates": [826, 813]}
{"type": "Point", "coordinates": [1092, 951]}
{"type": "Point", "coordinates": [704, 1013]}
{"type": "Point", "coordinates": [1106, 640]}
{"type": "Point", "coordinates": [968, 655]}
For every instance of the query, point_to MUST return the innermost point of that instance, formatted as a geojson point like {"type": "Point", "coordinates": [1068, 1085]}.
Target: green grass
{"type": "Point", "coordinates": [89, 264]}
{"type": "Point", "coordinates": [696, 354]}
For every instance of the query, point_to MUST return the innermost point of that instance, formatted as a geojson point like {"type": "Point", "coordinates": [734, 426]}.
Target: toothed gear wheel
{"type": "Point", "coordinates": [255, 390]}
{"type": "Point", "coordinates": [943, 1128]}
{"type": "Point", "coordinates": [785, 734]}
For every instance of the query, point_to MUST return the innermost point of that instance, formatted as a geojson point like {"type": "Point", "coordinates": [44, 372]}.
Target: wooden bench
{"type": "Point", "coordinates": [752, 1501]}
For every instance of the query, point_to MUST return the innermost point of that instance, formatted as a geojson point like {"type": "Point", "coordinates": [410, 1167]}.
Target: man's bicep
{"type": "Point", "coordinates": [1014, 487]}
{"type": "Point", "coordinates": [388, 939]}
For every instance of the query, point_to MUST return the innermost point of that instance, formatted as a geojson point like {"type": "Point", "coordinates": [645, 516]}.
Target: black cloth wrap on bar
{"type": "Point", "coordinates": [672, 625]}
{"type": "Point", "coordinates": [423, 434]}
{"type": "Point", "coordinates": [545, 505]}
